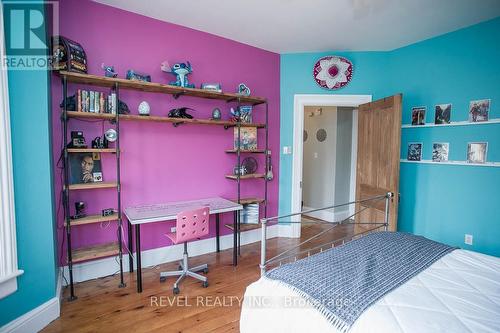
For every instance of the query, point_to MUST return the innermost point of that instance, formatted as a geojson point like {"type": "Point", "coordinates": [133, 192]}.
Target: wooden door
{"type": "Point", "coordinates": [377, 172]}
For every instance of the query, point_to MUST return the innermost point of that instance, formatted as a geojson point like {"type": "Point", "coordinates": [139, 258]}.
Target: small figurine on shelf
{"type": "Point", "coordinates": [144, 108]}
{"type": "Point", "coordinates": [243, 90]}
{"type": "Point", "coordinates": [216, 114]}
{"type": "Point", "coordinates": [235, 115]}
{"type": "Point", "coordinates": [109, 71]}
{"type": "Point", "coordinates": [181, 70]}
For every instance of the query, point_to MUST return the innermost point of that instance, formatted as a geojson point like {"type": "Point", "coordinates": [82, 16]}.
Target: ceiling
{"type": "Point", "coordinates": [286, 26]}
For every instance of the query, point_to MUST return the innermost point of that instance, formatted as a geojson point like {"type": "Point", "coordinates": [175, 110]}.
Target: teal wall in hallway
{"type": "Point", "coordinates": [31, 149]}
{"type": "Point", "coordinates": [442, 202]}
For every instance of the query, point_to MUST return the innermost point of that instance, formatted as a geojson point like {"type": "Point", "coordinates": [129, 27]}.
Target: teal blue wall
{"type": "Point", "coordinates": [31, 149]}
{"type": "Point", "coordinates": [442, 202]}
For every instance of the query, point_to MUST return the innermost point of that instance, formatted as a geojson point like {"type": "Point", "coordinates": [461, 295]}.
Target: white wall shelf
{"type": "Point", "coordinates": [487, 164]}
{"type": "Point", "coordinates": [455, 123]}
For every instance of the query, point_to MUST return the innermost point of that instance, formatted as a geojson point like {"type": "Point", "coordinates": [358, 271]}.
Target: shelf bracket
{"type": "Point", "coordinates": [176, 124]}
{"type": "Point", "coordinates": [231, 100]}
{"type": "Point", "coordinates": [179, 94]}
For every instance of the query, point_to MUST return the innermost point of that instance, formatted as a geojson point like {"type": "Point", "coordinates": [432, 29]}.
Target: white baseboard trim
{"type": "Point", "coordinates": [108, 266]}
{"type": "Point", "coordinates": [36, 319]}
{"type": "Point", "coordinates": [328, 215]}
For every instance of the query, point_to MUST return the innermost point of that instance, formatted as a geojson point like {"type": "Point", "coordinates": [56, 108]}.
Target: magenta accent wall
{"type": "Point", "coordinates": [161, 163]}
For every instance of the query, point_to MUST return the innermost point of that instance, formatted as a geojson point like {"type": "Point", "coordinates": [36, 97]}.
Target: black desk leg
{"type": "Point", "coordinates": [138, 255]}
{"type": "Point", "coordinates": [235, 238]}
{"type": "Point", "coordinates": [239, 235]}
{"type": "Point", "coordinates": [217, 230]}
{"type": "Point", "coordinates": [130, 249]}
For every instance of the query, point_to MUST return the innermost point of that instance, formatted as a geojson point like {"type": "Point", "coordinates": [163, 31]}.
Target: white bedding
{"type": "Point", "coordinates": [458, 293]}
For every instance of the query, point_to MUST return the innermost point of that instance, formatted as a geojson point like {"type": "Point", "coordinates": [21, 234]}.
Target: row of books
{"type": "Point", "coordinates": [96, 102]}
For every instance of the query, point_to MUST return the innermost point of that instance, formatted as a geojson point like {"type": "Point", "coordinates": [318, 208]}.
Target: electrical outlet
{"type": "Point", "coordinates": [468, 239]}
{"type": "Point", "coordinates": [315, 155]}
{"type": "Point", "coordinates": [173, 229]}
{"type": "Point", "coordinates": [287, 150]}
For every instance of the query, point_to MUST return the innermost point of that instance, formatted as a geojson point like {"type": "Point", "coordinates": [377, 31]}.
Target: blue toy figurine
{"type": "Point", "coordinates": [109, 71]}
{"type": "Point", "coordinates": [181, 70]}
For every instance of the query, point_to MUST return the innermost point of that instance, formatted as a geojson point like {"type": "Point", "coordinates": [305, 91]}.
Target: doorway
{"type": "Point", "coordinates": [301, 102]}
{"type": "Point", "coordinates": [326, 166]}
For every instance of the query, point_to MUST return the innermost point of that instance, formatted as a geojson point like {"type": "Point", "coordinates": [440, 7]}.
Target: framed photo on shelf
{"type": "Point", "coordinates": [479, 110]}
{"type": "Point", "coordinates": [247, 139]}
{"type": "Point", "coordinates": [476, 152]}
{"type": "Point", "coordinates": [418, 116]}
{"type": "Point", "coordinates": [85, 168]}
{"type": "Point", "coordinates": [443, 114]}
{"type": "Point", "coordinates": [440, 151]}
{"type": "Point", "coordinates": [415, 151]}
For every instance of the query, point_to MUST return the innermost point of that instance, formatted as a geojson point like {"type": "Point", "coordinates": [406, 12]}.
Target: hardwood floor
{"type": "Point", "coordinates": [103, 307]}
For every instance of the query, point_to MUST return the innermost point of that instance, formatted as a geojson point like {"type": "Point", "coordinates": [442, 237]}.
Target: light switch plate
{"type": "Point", "coordinates": [468, 239]}
{"type": "Point", "coordinates": [173, 229]}
{"type": "Point", "coordinates": [287, 150]}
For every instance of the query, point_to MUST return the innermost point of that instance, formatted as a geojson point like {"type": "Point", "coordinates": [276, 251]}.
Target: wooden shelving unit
{"type": "Point", "coordinates": [128, 117]}
{"type": "Point", "coordinates": [93, 219]}
{"type": "Point", "coordinates": [116, 84]}
{"type": "Point", "coordinates": [90, 186]}
{"type": "Point", "coordinates": [91, 150]}
{"type": "Point", "coordinates": [243, 151]}
{"type": "Point", "coordinates": [246, 201]}
{"type": "Point", "coordinates": [95, 252]}
{"type": "Point", "coordinates": [102, 81]}
{"type": "Point", "coordinates": [249, 176]}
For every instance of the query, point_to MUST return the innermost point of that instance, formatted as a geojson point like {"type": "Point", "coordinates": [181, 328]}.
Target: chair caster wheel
{"type": "Point", "coordinates": [163, 278]}
{"type": "Point", "coordinates": [180, 268]}
{"type": "Point", "coordinates": [176, 290]}
{"type": "Point", "coordinates": [205, 270]}
{"type": "Point", "coordinates": [205, 284]}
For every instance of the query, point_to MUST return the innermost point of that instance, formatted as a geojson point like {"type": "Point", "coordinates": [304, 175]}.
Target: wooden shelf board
{"type": "Point", "coordinates": [243, 151]}
{"type": "Point", "coordinates": [102, 81]}
{"type": "Point", "coordinates": [93, 219]}
{"type": "Point", "coordinates": [246, 201]}
{"type": "Point", "coordinates": [94, 252]}
{"type": "Point", "coordinates": [249, 176]}
{"type": "Point", "coordinates": [134, 117]}
{"type": "Point", "coordinates": [95, 185]}
{"type": "Point", "coordinates": [91, 150]}
{"type": "Point", "coordinates": [243, 226]}
{"type": "Point", "coordinates": [91, 115]}
{"type": "Point", "coordinates": [188, 121]}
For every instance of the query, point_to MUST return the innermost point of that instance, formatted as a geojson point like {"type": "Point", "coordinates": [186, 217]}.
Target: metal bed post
{"type": "Point", "coordinates": [263, 246]}
{"type": "Point", "coordinates": [118, 182]}
{"type": "Point", "coordinates": [67, 213]}
{"type": "Point", "coordinates": [386, 212]}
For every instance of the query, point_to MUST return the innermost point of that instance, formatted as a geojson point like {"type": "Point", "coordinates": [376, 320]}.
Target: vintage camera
{"type": "Point", "coordinates": [97, 176]}
{"type": "Point", "coordinates": [100, 143]}
{"type": "Point", "coordinates": [239, 170]}
{"type": "Point", "coordinates": [108, 212]}
{"type": "Point", "coordinates": [77, 140]}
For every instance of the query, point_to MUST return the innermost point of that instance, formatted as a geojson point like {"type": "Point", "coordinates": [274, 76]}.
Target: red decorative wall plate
{"type": "Point", "coordinates": [332, 72]}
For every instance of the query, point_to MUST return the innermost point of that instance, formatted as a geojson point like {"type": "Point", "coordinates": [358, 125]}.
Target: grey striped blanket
{"type": "Point", "coordinates": [343, 282]}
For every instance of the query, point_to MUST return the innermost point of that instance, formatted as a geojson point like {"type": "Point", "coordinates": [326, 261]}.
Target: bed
{"type": "Point", "coordinates": [457, 291]}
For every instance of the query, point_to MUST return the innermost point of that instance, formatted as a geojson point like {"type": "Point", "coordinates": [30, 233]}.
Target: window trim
{"type": "Point", "coordinates": [8, 252]}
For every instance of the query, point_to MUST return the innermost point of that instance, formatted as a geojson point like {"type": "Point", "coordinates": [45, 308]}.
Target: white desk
{"type": "Point", "coordinates": [138, 215]}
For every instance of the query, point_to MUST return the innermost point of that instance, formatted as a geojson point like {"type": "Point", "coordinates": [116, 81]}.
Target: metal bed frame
{"type": "Point", "coordinates": [285, 255]}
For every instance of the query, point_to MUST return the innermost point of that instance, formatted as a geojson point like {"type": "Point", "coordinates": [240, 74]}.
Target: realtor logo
{"type": "Point", "coordinates": [26, 26]}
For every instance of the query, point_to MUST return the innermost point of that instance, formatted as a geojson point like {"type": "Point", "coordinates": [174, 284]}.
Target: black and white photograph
{"type": "Point", "coordinates": [440, 151]}
{"type": "Point", "coordinates": [85, 168]}
{"type": "Point", "coordinates": [476, 152]}
{"type": "Point", "coordinates": [479, 110]}
{"type": "Point", "coordinates": [415, 151]}
{"type": "Point", "coordinates": [443, 114]}
{"type": "Point", "coordinates": [418, 116]}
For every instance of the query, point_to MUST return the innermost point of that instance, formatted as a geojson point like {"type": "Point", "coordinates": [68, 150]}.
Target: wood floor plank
{"type": "Point", "coordinates": [103, 307]}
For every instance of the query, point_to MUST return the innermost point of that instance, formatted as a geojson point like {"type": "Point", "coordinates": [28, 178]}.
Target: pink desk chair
{"type": "Point", "coordinates": [191, 225]}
